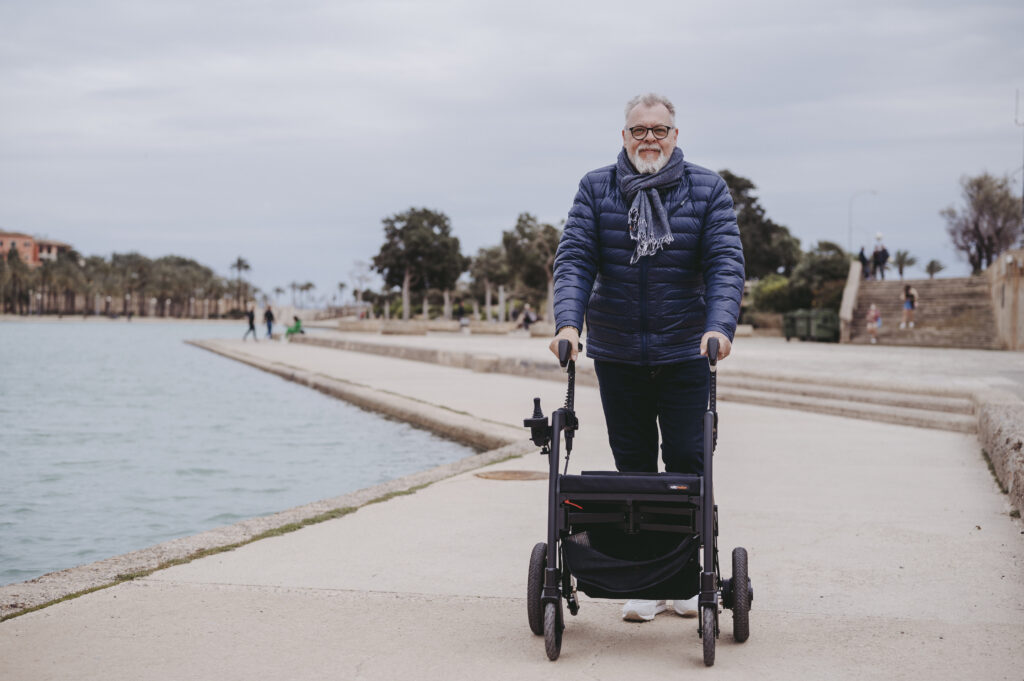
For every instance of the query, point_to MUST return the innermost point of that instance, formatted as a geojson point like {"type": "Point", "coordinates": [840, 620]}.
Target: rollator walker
{"type": "Point", "coordinates": [630, 535]}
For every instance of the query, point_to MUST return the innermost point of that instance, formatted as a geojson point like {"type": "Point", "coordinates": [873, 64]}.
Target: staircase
{"type": "Point", "coordinates": [904, 406]}
{"type": "Point", "coordinates": [951, 313]}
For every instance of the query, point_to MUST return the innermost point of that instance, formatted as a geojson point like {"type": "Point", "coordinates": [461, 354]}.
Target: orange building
{"type": "Point", "coordinates": [31, 250]}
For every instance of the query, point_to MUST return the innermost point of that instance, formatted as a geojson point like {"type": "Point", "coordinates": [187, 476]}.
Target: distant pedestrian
{"type": "Point", "coordinates": [528, 317]}
{"type": "Point", "coordinates": [250, 314]}
{"type": "Point", "coordinates": [909, 298]}
{"type": "Point", "coordinates": [874, 322]}
{"type": "Point", "coordinates": [878, 260]}
{"type": "Point", "coordinates": [268, 319]}
{"type": "Point", "coordinates": [865, 268]}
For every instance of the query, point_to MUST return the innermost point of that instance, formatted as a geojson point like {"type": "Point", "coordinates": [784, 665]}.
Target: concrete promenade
{"type": "Point", "coordinates": [877, 551]}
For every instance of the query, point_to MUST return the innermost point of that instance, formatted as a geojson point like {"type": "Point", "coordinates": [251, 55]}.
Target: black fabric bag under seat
{"type": "Point", "coordinates": [675, 574]}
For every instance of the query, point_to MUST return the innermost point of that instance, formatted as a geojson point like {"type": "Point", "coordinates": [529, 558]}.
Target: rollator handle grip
{"type": "Point", "coordinates": [564, 352]}
{"type": "Point", "coordinates": [712, 352]}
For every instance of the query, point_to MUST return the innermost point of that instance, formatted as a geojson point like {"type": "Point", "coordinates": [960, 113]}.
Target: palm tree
{"type": "Point", "coordinates": [4, 276]}
{"type": "Point", "coordinates": [306, 288]}
{"type": "Point", "coordinates": [240, 265]}
{"type": "Point", "coordinates": [278, 291]}
{"type": "Point", "coordinates": [933, 267]}
{"type": "Point", "coordinates": [94, 276]}
{"type": "Point", "coordinates": [903, 259]}
{"type": "Point", "coordinates": [20, 278]}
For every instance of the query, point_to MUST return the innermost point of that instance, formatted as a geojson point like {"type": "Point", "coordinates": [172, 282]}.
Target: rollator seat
{"type": "Point", "coordinates": [630, 483]}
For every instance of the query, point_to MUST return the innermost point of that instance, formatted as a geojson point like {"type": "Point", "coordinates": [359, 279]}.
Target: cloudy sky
{"type": "Point", "coordinates": [283, 131]}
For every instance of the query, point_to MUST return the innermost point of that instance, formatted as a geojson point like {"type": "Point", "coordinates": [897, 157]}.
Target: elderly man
{"type": "Point", "coordinates": [651, 257]}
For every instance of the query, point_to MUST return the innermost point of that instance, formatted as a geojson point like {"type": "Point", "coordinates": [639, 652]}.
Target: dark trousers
{"type": "Point", "coordinates": [639, 399]}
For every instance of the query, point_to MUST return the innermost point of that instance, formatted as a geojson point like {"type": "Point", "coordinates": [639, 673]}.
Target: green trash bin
{"type": "Point", "coordinates": [802, 324]}
{"type": "Point", "coordinates": [824, 326]}
{"type": "Point", "coordinates": [789, 325]}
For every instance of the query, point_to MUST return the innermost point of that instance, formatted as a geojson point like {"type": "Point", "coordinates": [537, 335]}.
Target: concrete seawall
{"type": "Point", "coordinates": [495, 441]}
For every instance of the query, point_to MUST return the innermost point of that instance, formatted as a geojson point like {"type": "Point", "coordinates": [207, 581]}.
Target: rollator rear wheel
{"type": "Point", "coordinates": [553, 626]}
{"type": "Point", "coordinates": [741, 596]}
{"type": "Point", "coordinates": [534, 586]}
{"type": "Point", "coordinates": [708, 626]}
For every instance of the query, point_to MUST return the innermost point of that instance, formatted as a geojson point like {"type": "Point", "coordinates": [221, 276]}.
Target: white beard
{"type": "Point", "coordinates": [648, 167]}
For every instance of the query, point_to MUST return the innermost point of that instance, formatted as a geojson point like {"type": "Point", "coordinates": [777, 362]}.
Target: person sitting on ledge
{"type": "Point", "coordinates": [294, 328]}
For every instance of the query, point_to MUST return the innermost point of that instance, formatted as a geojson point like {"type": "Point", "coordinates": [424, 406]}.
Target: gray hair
{"type": "Point", "coordinates": [651, 99]}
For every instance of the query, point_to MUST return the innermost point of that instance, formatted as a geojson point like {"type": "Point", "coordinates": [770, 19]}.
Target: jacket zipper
{"type": "Point", "coordinates": [643, 310]}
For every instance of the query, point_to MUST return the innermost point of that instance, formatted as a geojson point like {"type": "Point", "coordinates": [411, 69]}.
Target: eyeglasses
{"type": "Point", "coordinates": [639, 132]}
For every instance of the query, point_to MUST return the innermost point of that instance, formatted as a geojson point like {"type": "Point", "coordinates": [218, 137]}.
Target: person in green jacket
{"type": "Point", "coordinates": [294, 328]}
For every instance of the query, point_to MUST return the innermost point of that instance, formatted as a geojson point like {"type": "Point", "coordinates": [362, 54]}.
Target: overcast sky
{"type": "Point", "coordinates": [284, 131]}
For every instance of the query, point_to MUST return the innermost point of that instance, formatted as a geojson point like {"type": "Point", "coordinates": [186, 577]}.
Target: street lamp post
{"type": "Point", "coordinates": [1020, 123]}
{"type": "Point", "coordinates": [849, 221]}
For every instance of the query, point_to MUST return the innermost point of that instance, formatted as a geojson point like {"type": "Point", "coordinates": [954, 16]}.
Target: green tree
{"type": "Point", "coordinates": [767, 247]}
{"type": "Point", "coordinates": [69, 279]}
{"type": "Point", "coordinates": [819, 277]}
{"type": "Point", "coordinates": [94, 276]}
{"type": "Point", "coordinates": [240, 265]}
{"type": "Point", "coordinates": [44, 279]}
{"type": "Point", "coordinates": [530, 248]}
{"type": "Point", "coordinates": [5, 275]}
{"type": "Point", "coordinates": [129, 275]}
{"type": "Point", "coordinates": [305, 289]}
{"type": "Point", "coordinates": [933, 267]}
{"type": "Point", "coordinates": [989, 222]}
{"type": "Point", "coordinates": [772, 294]}
{"type": "Point", "coordinates": [19, 277]}
{"type": "Point", "coordinates": [419, 253]}
{"type": "Point", "coordinates": [903, 259]}
{"type": "Point", "coordinates": [488, 269]}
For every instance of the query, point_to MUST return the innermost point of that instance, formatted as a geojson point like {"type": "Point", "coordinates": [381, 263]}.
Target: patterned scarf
{"type": "Point", "coordinates": [648, 221]}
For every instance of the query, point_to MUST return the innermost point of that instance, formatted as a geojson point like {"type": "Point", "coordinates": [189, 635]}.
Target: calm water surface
{"type": "Point", "coordinates": [117, 435]}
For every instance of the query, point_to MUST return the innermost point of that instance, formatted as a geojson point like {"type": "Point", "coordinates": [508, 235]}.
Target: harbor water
{"type": "Point", "coordinates": [117, 435]}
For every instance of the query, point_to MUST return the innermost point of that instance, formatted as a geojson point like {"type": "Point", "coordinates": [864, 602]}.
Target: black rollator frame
{"type": "Point", "coordinates": [600, 522]}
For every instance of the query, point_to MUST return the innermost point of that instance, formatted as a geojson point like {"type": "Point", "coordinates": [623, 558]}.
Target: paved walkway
{"type": "Point", "coordinates": [877, 552]}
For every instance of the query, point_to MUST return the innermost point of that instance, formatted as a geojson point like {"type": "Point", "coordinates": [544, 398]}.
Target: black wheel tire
{"type": "Point", "coordinates": [553, 626]}
{"type": "Point", "coordinates": [740, 596]}
{"type": "Point", "coordinates": [534, 586]}
{"type": "Point", "coordinates": [708, 625]}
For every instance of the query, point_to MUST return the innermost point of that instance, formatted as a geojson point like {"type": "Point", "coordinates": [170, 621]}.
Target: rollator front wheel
{"type": "Point", "coordinates": [534, 586]}
{"type": "Point", "coordinates": [708, 626]}
{"type": "Point", "coordinates": [553, 626]}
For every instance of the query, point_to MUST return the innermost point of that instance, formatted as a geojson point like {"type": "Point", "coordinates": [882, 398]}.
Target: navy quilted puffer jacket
{"type": "Point", "coordinates": [653, 312]}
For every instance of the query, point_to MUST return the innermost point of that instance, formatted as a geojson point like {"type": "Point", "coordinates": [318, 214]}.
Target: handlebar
{"type": "Point", "coordinates": [712, 352]}
{"type": "Point", "coordinates": [564, 352]}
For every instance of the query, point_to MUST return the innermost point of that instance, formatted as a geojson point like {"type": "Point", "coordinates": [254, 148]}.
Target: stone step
{"type": "Point", "coordinates": [850, 398]}
{"type": "Point", "coordinates": [954, 405]}
{"type": "Point", "coordinates": [905, 416]}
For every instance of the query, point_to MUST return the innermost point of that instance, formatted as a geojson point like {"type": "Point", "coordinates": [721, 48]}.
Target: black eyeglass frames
{"type": "Point", "coordinates": [660, 132]}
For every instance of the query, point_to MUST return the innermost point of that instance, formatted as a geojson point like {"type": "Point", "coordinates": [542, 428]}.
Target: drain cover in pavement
{"type": "Point", "coordinates": [512, 475]}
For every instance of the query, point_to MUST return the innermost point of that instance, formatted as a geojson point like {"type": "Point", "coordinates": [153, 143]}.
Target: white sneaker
{"type": "Point", "coordinates": [638, 610]}
{"type": "Point", "coordinates": [903, 325]}
{"type": "Point", "coordinates": [911, 324]}
{"type": "Point", "coordinates": [687, 608]}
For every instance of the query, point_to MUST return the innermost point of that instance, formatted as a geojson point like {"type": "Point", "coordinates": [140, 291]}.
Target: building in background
{"type": "Point", "coordinates": [31, 250]}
